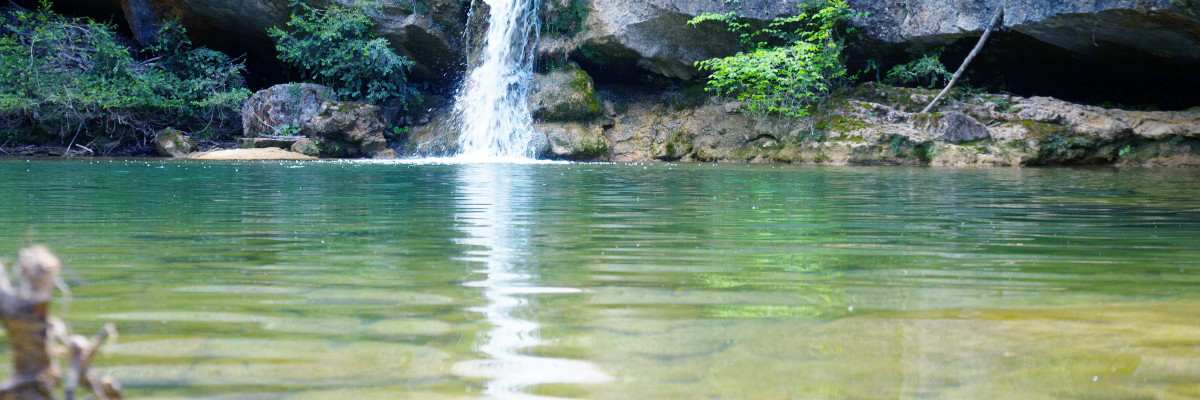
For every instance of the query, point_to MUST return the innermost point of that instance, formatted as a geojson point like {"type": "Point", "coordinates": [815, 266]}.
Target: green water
{"type": "Point", "coordinates": [268, 280]}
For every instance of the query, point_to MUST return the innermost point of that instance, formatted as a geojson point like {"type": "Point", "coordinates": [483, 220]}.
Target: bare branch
{"type": "Point", "coordinates": [962, 68]}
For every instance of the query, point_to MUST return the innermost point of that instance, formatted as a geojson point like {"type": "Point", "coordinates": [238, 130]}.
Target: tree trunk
{"type": "Point", "coordinates": [34, 337]}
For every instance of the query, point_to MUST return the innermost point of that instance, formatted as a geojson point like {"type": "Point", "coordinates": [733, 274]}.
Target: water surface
{"type": "Point", "coordinates": [268, 280]}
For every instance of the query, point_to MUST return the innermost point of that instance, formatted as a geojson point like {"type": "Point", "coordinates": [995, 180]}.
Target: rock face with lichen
{"type": "Point", "coordinates": [572, 141]}
{"type": "Point", "coordinates": [952, 127]}
{"type": "Point", "coordinates": [334, 128]}
{"type": "Point", "coordinates": [877, 124]}
{"type": "Point", "coordinates": [173, 143]}
{"type": "Point", "coordinates": [279, 110]}
{"type": "Point", "coordinates": [564, 94]}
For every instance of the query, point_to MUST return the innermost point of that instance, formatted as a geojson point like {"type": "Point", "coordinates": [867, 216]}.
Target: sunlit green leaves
{"type": "Point", "coordinates": [337, 47]}
{"type": "Point", "coordinates": [794, 62]}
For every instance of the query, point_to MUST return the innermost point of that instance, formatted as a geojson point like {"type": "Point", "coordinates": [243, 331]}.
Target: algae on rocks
{"type": "Point", "coordinates": [564, 94]}
{"type": "Point", "coordinates": [173, 143]}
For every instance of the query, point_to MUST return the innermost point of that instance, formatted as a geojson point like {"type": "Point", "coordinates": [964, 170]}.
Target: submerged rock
{"type": "Point", "coordinates": [173, 143]}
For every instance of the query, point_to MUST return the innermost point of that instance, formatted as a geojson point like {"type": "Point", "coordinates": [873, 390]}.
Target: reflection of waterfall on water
{"type": "Point", "coordinates": [492, 107]}
{"type": "Point", "coordinates": [494, 204]}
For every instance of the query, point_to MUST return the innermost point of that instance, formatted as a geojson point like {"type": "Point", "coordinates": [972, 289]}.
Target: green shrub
{"type": "Point", "coordinates": [926, 72]}
{"type": "Point", "coordinates": [564, 17]}
{"type": "Point", "coordinates": [63, 77]}
{"type": "Point", "coordinates": [795, 61]}
{"type": "Point", "coordinates": [337, 47]}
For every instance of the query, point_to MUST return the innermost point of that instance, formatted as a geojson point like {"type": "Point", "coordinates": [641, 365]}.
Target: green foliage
{"type": "Point", "coordinates": [396, 132]}
{"type": "Point", "coordinates": [926, 72]}
{"type": "Point", "coordinates": [564, 17]}
{"type": "Point", "coordinates": [63, 76]}
{"type": "Point", "coordinates": [337, 47]}
{"type": "Point", "coordinates": [286, 130]}
{"type": "Point", "coordinates": [793, 62]}
{"type": "Point", "coordinates": [926, 152]}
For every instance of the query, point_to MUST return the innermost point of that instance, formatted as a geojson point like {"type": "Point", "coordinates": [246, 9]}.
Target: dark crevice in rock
{"type": "Point", "coordinates": [99, 10]}
{"type": "Point", "coordinates": [1019, 64]}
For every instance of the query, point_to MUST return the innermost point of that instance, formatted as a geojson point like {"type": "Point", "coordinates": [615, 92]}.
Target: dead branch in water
{"type": "Point", "coordinates": [35, 338]}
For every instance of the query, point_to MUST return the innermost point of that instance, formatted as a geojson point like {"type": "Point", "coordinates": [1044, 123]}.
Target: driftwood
{"type": "Point", "coordinates": [970, 57]}
{"type": "Point", "coordinates": [35, 338]}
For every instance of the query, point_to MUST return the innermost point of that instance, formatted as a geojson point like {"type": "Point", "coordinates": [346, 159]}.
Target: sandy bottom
{"type": "Point", "coordinates": [270, 153]}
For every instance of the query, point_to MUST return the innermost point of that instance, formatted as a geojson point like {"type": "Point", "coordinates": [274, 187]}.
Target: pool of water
{"type": "Point", "coordinates": [328, 280]}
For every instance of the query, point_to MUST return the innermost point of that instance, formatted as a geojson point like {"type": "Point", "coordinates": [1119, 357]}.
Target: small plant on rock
{"type": "Point", "coordinates": [926, 72]}
{"type": "Point", "coordinates": [337, 47]}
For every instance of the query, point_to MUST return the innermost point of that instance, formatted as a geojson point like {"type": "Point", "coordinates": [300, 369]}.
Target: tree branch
{"type": "Point", "coordinates": [962, 68]}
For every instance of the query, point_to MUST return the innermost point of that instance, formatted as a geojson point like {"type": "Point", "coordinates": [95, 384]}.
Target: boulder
{"type": "Point", "coordinates": [951, 127]}
{"type": "Point", "coordinates": [335, 128]}
{"type": "Point", "coordinates": [573, 142]}
{"type": "Point", "coordinates": [564, 94]}
{"type": "Point", "coordinates": [305, 147]}
{"type": "Point", "coordinates": [174, 144]}
{"type": "Point", "coordinates": [347, 129]}
{"type": "Point", "coordinates": [280, 110]}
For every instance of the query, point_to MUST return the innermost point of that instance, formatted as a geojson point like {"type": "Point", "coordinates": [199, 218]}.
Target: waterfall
{"type": "Point", "coordinates": [492, 105]}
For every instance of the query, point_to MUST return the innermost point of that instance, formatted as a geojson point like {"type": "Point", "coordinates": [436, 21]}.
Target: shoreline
{"type": "Point", "coordinates": [43, 156]}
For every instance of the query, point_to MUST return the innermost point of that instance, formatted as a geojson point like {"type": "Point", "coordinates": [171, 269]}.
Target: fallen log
{"type": "Point", "coordinates": [35, 339]}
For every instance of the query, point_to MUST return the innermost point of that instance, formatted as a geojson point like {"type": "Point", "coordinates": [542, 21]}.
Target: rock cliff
{"type": "Point", "coordinates": [878, 125]}
{"type": "Point", "coordinates": [651, 36]}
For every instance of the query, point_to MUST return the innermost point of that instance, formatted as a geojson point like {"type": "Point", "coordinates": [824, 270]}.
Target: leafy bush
{"type": "Point", "coordinates": [563, 17]}
{"type": "Point", "coordinates": [337, 47]}
{"type": "Point", "coordinates": [63, 77]}
{"type": "Point", "coordinates": [926, 72]}
{"type": "Point", "coordinates": [793, 62]}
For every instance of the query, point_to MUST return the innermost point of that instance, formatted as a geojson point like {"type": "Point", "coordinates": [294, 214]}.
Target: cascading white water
{"type": "Point", "coordinates": [492, 107]}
